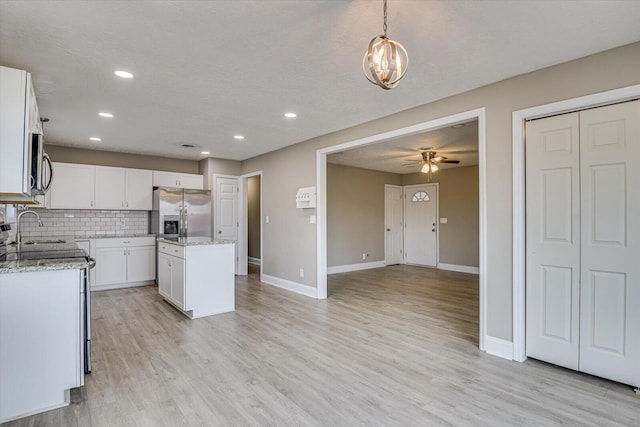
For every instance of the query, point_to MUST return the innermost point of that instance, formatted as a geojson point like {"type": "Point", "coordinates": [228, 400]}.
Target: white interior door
{"type": "Point", "coordinates": [393, 224]}
{"type": "Point", "coordinates": [610, 292]}
{"type": "Point", "coordinates": [553, 239]}
{"type": "Point", "coordinates": [421, 218]}
{"type": "Point", "coordinates": [226, 215]}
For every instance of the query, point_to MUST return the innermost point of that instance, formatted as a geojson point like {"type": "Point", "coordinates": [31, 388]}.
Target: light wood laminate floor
{"type": "Point", "coordinates": [390, 346]}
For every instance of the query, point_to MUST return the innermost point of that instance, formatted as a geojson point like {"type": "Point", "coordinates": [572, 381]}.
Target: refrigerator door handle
{"type": "Point", "coordinates": [186, 222]}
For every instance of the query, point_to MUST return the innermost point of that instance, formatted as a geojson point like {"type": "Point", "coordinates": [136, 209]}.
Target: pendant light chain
{"type": "Point", "coordinates": [384, 27]}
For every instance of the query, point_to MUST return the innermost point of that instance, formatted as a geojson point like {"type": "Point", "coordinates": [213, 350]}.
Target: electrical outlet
{"type": "Point", "coordinates": [364, 256]}
{"type": "Point", "coordinates": [301, 272]}
{"type": "Point", "coordinates": [266, 219]}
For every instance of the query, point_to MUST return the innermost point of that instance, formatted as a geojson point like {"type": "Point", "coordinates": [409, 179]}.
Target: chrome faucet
{"type": "Point", "coordinates": [19, 231]}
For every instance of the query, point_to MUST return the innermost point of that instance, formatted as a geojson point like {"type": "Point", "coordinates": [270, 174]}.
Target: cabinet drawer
{"type": "Point", "coordinates": [169, 249]}
{"type": "Point", "coordinates": [119, 242]}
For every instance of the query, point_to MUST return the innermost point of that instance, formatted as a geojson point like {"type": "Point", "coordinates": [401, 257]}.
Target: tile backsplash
{"type": "Point", "coordinates": [84, 223]}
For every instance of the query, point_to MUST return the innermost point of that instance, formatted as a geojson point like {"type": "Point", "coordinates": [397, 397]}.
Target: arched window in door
{"type": "Point", "coordinates": [420, 196]}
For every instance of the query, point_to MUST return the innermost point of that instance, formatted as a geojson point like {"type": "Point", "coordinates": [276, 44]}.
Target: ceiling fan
{"type": "Point", "coordinates": [430, 162]}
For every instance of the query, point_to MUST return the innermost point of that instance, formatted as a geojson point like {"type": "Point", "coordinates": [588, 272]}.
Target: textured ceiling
{"type": "Point", "coordinates": [206, 70]}
{"type": "Point", "coordinates": [454, 143]}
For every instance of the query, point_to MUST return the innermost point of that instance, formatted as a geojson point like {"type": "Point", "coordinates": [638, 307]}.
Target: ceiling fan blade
{"type": "Point", "coordinates": [438, 159]}
{"type": "Point", "coordinates": [450, 161]}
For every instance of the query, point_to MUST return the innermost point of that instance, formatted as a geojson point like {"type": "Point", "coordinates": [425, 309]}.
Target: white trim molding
{"type": "Point", "coordinates": [321, 184]}
{"type": "Point", "coordinates": [298, 288]}
{"type": "Point", "coordinates": [499, 347]}
{"type": "Point", "coordinates": [355, 267]}
{"type": "Point", "coordinates": [459, 268]}
{"type": "Point", "coordinates": [518, 167]}
{"type": "Point", "coordinates": [254, 261]}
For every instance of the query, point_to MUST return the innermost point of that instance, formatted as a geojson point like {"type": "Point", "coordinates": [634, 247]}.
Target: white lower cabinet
{"type": "Point", "coordinates": [41, 340]}
{"type": "Point", "coordinates": [199, 280]}
{"type": "Point", "coordinates": [171, 278]}
{"type": "Point", "coordinates": [124, 262]}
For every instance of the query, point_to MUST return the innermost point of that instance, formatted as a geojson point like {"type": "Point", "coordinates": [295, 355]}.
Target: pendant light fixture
{"type": "Point", "coordinates": [386, 61]}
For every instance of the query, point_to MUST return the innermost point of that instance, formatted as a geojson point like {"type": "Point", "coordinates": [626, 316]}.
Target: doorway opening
{"type": "Point", "coordinates": [330, 165]}
{"type": "Point", "coordinates": [250, 234]}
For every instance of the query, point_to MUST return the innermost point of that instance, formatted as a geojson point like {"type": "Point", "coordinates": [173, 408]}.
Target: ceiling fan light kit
{"type": "Point", "coordinates": [385, 62]}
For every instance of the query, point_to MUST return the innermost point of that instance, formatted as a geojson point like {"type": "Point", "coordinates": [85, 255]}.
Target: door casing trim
{"type": "Point", "coordinates": [519, 119]}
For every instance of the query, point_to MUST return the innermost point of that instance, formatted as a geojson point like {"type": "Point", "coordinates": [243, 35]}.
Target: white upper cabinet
{"type": "Point", "coordinates": [124, 189]}
{"type": "Point", "coordinates": [110, 188]}
{"type": "Point", "coordinates": [139, 189]}
{"type": "Point", "coordinates": [73, 186]}
{"type": "Point", "coordinates": [178, 180]}
{"type": "Point", "coordinates": [18, 119]}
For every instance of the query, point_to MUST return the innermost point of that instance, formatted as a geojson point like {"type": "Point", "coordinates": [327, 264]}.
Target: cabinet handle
{"type": "Point", "coordinates": [122, 204]}
{"type": "Point", "coordinates": [92, 203]}
{"type": "Point", "coordinates": [127, 203]}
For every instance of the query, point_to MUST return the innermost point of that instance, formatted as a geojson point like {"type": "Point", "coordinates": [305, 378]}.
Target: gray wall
{"type": "Point", "coordinates": [355, 214]}
{"type": "Point", "coordinates": [211, 165]}
{"type": "Point", "coordinates": [290, 241]}
{"type": "Point", "coordinates": [460, 204]}
{"type": "Point", "coordinates": [253, 213]}
{"type": "Point", "coordinates": [122, 160]}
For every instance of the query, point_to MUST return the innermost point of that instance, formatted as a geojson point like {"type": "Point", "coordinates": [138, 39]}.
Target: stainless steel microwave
{"type": "Point", "coordinates": [41, 170]}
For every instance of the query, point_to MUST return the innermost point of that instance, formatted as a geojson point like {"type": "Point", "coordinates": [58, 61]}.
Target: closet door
{"type": "Point", "coordinates": [610, 290]}
{"type": "Point", "coordinates": [553, 239]}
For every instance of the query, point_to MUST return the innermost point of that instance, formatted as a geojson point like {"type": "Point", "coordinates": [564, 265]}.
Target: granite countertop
{"type": "Point", "coordinates": [51, 257]}
{"type": "Point", "coordinates": [111, 236]}
{"type": "Point", "coordinates": [195, 241]}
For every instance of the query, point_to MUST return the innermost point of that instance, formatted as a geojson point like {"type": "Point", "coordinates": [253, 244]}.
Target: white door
{"type": "Point", "coordinates": [72, 186]}
{"type": "Point", "coordinates": [226, 217]}
{"type": "Point", "coordinates": [610, 290]}
{"type": "Point", "coordinates": [553, 239]}
{"type": "Point", "coordinates": [164, 275]}
{"type": "Point", "coordinates": [178, 282]}
{"type": "Point", "coordinates": [393, 224]}
{"type": "Point", "coordinates": [421, 218]}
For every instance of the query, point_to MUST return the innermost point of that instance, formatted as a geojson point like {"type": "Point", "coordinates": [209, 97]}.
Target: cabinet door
{"type": "Point", "coordinates": [177, 282]}
{"type": "Point", "coordinates": [139, 190]}
{"type": "Point", "coordinates": [164, 275]}
{"type": "Point", "coordinates": [111, 266]}
{"type": "Point", "coordinates": [195, 182]}
{"type": "Point", "coordinates": [72, 186]}
{"type": "Point", "coordinates": [110, 185]}
{"type": "Point", "coordinates": [165, 179]}
{"type": "Point", "coordinates": [141, 263]}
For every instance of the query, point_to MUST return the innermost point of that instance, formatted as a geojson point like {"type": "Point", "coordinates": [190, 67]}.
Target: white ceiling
{"type": "Point", "coordinates": [206, 70]}
{"type": "Point", "coordinates": [454, 143]}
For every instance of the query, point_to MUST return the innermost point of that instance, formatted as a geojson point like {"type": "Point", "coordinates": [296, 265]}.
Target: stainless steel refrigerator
{"type": "Point", "coordinates": [179, 212]}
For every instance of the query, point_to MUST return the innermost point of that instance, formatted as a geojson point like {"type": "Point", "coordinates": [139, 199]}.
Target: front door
{"type": "Point", "coordinates": [421, 217]}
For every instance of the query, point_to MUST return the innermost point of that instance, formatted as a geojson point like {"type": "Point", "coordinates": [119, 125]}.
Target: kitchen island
{"type": "Point", "coordinates": [42, 327]}
{"type": "Point", "coordinates": [197, 275]}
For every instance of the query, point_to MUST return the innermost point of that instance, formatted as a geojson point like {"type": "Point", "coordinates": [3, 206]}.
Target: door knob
{"type": "Point", "coordinates": [388, 229]}
{"type": "Point", "coordinates": [433, 229]}
{"type": "Point", "coordinates": [219, 231]}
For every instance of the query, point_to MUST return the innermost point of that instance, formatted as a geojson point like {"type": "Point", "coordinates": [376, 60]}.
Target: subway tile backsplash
{"type": "Point", "coordinates": [83, 223]}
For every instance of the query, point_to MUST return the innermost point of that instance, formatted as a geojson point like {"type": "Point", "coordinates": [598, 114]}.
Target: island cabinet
{"type": "Point", "coordinates": [123, 262]}
{"type": "Point", "coordinates": [197, 278]}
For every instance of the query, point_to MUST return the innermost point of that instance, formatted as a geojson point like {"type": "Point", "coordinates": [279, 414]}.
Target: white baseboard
{"type": "Point", "coordinates": [459, 268]}
{"type": "Point", "coordinates": [499, 347]}
{"type": "Point", "coordinates": [298, 288]}
{"type": "Point", "coordinates": [355, 267]}
{"type": "Point", "coordinates": [255, 261]}
{"type": "Point", "coordinates": [121, 286]}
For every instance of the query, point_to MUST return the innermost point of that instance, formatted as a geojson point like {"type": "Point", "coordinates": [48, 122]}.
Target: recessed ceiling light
{"type": "Point", "coordinates": [95, 138]}
{"type": "Point", "coordinates": [103, 114]}
{"type": "Point", "coordinates": [123, 74]}
{"type": "Point", "coordinates": [290, 115]}
{"type": "Point", "coordinates": [238, 137]}
{"type": "Point", "coordinates": [205, 152]}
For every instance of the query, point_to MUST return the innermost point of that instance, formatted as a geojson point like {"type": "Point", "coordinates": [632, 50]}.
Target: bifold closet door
{"type": "Point", "coordinates": [610, 234]}
{"type": "Point", "coordinates": [553, 239]}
